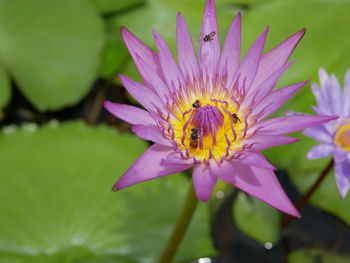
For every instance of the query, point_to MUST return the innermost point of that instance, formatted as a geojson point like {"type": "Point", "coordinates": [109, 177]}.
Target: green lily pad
{"type": "Point", "coordinates": [51, 48]}
{"type": "Point", "coordinates": [108, 6]}
{"type": "Point", "coordinates": [316, 256]}
{"type": "Point", "coordinates": [115, 55]}
{"type": "Point", "coordinates": [256, 219]}
{"type": "Point", "coordinates": [57, 204]}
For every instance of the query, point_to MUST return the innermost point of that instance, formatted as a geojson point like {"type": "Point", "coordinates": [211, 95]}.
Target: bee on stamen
{"type": "Point", "coordinates": [209, 37]}
{"type": "Point", "coordinates": [235, 118]}
{"type": "Point", "coordinates": [194, 137]}
{"type": "Point", "coordinates": [197, 104]}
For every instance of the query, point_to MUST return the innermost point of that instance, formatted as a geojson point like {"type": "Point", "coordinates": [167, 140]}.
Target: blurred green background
{"type": "Point", "coordinates": [60, 152]}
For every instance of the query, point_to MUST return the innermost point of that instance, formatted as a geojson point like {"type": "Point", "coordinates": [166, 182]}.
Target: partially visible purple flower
{"type": "Point", "coordinates": [209, 113]}
{"type": "Point", "coordinates": [335, 135]}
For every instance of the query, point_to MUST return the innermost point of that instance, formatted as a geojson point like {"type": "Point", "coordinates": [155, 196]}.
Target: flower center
{"type": "Point", "coordinates": [207, 121]}
{"type": "Point", "coordinates": [342, 137]}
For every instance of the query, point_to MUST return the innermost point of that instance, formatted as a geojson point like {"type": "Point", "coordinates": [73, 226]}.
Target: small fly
{"type": "Point", "coordinates": [235, 118]}
{"type": "Point", "coordinates": [194, 137]}
{"type": "Point", "coordinates": [209, 37]}
{"type": "Point", "coordinates": [197, 104]}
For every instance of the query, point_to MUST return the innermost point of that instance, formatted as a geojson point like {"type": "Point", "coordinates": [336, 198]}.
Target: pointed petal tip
{"type": "Point", "coordinates": [310, 156]}
{"type": "Point", "coordinates": [180, 20]}
{"type": "Point", "coordinates": [291, 210]}
{"type": "Point", "coordinates": [322, 73]}
{"type": "Point", "coordinates": [329, 118]}
{"type": "Point", "coordinates": [120, 76]}
{"type": "Point", "coordinates": [295, 140]}
{"type": "Point", "coordinates": [302, 31]}
{"type": "Point", "coordinates": [210, 3]}
{"type": "Point", "coordinates": [158, 40]}
{"type": "Point", "coordinates": [124, 32]}
{"type": "Point", "coordinates": [203, 182]}
{"type": "Point", "coordinates": [343, 194]}
{"type": "Point", "coordinates": [107, 104]}
{"type": "Point", "coordinates": [263, 35]}
{"type": "Point", "coordinates": [123, 29]}
{"type": "Point", "coordinates": [124, 183]}
{"type": "Point", "coordinates": [203, 199]}
{"type": "Point", "coordinates": [238, 18]}
{"type": "Point", "coordinates": [115, 187]}
{"type": "Point", "coordinates": [288, 64]}
{"type": "Point", "coordinates": [210, 8]}
{"type": "Point", "coordinates": [297, 214]}
{"type": "Point", "coordinates": [299, 35]}
{"type": "Point", "coordinates": [123, 79]}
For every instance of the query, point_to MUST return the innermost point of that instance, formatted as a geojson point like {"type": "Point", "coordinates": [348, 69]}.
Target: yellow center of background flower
{"type": "Point", "coordinates": [342, 137]}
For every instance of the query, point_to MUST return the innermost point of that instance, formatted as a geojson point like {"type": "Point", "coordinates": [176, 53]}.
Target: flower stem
{"type": "Point", "coordinates": [306, 197]}
{"type": "Point", "coordinates": [181, 226]}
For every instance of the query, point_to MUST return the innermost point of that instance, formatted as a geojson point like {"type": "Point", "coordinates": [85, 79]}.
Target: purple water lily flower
{"type": "Point", "coordinates": [209, 113]}
{"type": "Point", "coordinates": [334, 136]}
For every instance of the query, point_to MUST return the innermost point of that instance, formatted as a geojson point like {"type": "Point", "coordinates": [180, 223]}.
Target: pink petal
{"type": "Point", "coordinates": [276, 57]}
{"type": "Point", "coordinates": [171, 72]}
{"type": "Point", "coordinates": [137, 48]}
{"type": "Point", "coordinates": [143, 95]}
{"type": "Point", "coordinates": [209, 51]}
{"type": "Point", "coordinates": [185, 51]}
{"type": "Point", "coordinates": [319, 151]}
{"type": "Point", "coordinates": [175, 158]}
{"type": "Point", "coordinates": [204, 182]}
{"type": "Point", "coordinates": [156, 81]}
{"type": "Point", "coordinates": [261, 142]}
{"type": "Point", "coordinates": [289, 124]}
{"type": "Point", "coordinates": [255, 159]}
{"type": "Point", "coordinates": [230, 56]}
{"type": "Point", "coordinates": [150, 133]}
{"type": "Point", "coordinates": [129, 114]}
{"type": "Point", "coordinates": [259, 94]}
{"type": "Point", "coordinates": [259, 182]}
{"type": "Point", "coordinates": [148, 166]}
{"type": "Point", "coordinates": [276, 99]}
{"type": "Point", "coordinates": [250, 63]}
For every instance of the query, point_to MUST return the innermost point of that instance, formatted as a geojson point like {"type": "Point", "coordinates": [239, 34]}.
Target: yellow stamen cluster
{"type": "Point", "coordinates": [223, 143]}
{"type": "Point", "coordinates": [342, 137]}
